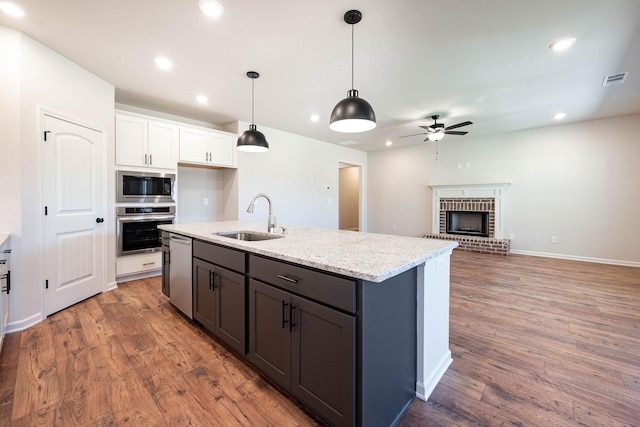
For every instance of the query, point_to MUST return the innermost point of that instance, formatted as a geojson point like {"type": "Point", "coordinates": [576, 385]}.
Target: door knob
{"type": "Point", "coordinates": [99, 220]}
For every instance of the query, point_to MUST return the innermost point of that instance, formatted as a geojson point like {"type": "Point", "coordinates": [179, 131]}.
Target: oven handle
{"type": "Point", "coordinates": [146, 218]}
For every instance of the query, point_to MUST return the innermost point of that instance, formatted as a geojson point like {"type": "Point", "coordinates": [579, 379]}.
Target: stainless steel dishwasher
{"type": "Point", "coordinates": [181, 294]}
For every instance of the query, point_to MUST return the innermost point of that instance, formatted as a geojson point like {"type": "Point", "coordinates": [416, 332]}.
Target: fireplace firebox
{"type": "Point", "coordinates": [470, 223]}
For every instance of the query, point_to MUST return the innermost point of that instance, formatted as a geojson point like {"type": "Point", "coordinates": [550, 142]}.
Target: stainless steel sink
{"type": "Point", "coordinates": [249, 236]}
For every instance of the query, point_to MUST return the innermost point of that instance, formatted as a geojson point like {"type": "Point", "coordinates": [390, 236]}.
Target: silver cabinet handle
{"type": "Point", "coordinates": [6, 251]}
{"type": "Point", "coordinates": [288, 279]}
{"type": "Point", "coordinates": [145, 160]}
{"type": "Point", "coordinates": [150, 159]}
{"type": "Point", "coordinates": [148, 263]}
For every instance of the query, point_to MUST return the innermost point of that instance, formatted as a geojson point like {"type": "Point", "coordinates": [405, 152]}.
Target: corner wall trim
{"type": "Point", "coordinates": [424, 390]}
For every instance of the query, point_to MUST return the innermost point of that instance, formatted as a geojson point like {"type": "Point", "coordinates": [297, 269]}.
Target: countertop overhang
{"type": "Point", "coordinates": [366, 256]}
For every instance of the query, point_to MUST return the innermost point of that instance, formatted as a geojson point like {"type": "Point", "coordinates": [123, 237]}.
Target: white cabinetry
{"type": "Point", "coordinates": [206, 147]}
{"type": "Point", "coordinates": [5, 285]}
{"type": "Point", "coordinates": [138, 264]}
{"type": "Point", "coordinates": [145, 143]}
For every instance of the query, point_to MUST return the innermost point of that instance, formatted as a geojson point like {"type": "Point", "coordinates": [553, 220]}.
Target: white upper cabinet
{"type": "Point", "coordinates": [206, 147]}
{"type": "Point", "coordinates": [145, 143]}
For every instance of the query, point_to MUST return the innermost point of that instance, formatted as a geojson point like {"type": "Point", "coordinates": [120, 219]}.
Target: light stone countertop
{"type": "Point", "coordinates": [3, 238]}
{"type": "Point", "coordinates": [366, 256]}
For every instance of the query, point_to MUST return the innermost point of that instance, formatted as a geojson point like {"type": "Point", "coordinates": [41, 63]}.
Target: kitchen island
{"type": "Point", "coordinates": [363, 317]}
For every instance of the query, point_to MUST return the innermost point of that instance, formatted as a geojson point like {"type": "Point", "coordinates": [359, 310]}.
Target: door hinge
{"type": "Point", "coordinates": [46, 210]}
{"type": "Point", "coordinates": [46, 284]}
{"type": "Point", "coordinates": [45, 135]}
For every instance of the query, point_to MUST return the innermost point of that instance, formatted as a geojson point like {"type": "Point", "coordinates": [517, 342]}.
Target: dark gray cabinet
{"type": "Point", "coordinates": [219, 294]}
{"type": "Point", "coordinates": [307, 347]}
{"type": "Point", "coordinates": [166, 261]}
{"type": "Point", "coordinates": [345, 348]}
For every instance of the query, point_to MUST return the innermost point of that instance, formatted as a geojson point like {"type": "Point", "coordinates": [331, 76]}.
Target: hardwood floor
{"type": "Point", "coordinates": [535, 342]}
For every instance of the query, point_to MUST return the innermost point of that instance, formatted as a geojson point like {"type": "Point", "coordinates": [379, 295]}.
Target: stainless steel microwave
{"type": "Point", "coordinates": [144, 187]}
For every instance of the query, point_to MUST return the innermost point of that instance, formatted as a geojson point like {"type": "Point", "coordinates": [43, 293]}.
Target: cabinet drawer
{"type": "Point", "coordinates": [322, 287]}
{"type": "Point", "coordinates": [138, 263]}
{"type": "Point", "coordinates": [224, 257]}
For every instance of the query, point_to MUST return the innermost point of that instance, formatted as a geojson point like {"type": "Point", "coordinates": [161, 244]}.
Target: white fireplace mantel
{"type": "Point", "coordinates": [470, 191]}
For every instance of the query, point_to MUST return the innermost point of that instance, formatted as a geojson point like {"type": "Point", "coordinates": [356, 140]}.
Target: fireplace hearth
{"type": "Point", "coordinates": [472, 215]}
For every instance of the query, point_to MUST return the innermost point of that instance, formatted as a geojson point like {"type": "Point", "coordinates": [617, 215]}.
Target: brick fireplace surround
{"type": "Point", "coordinates": [471, 198]}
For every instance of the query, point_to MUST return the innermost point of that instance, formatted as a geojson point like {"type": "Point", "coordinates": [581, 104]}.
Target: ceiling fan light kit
{"type": "Point", "coordinates": [252, 140]}
{"type": "Point", "coordinates": [437, 131]}
{"type": "Point", "coordinates": [352, 114]}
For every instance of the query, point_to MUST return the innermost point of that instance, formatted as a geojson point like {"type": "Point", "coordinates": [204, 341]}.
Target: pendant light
{"type": "Point", "coordinates": [252, 140]}
{"type": "Point", "coordinates": [352, 114]}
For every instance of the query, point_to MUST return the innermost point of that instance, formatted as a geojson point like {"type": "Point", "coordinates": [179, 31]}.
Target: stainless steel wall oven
{"type": "Point", "coordinates": [144, 187]}
{"type": "Point", "coordinates": [137, 229]}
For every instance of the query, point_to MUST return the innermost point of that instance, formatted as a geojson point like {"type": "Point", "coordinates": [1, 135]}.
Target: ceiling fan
{"type": "Point", "coordinates": [437, 131]}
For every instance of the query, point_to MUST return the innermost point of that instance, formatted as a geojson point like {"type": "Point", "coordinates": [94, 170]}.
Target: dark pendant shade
{"type": "Point", "coordinates": [352, 114]}
{"type": "Point", "coordinates": [252, 141]}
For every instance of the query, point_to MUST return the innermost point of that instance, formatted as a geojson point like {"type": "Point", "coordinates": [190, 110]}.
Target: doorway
{"type": "Point", "coordinates": [349, 185]}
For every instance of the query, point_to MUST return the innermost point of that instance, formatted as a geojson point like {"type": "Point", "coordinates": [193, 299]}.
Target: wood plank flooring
{"type": "Point", "coordinates": [535, 342]}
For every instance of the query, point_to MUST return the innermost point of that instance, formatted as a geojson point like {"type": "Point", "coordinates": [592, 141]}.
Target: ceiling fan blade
{"type": "Point", "coordinates": [415, 134]}
{"type": "Point", "coordinates": [426, 128]}
{"type": "Point", "coordinates": [459, 125]}
{"type": "Point", "coordinates": [455, 132]}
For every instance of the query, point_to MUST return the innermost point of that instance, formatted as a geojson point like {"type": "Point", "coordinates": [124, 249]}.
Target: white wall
{"type": "Point", "coordinates": [194, 185]}
{"type": "Point", "coordinates": [576, 181]}
{"type": "Point", "coordinates": [48, 81]}
{"type": "Point", "coordinates": [301, 177]}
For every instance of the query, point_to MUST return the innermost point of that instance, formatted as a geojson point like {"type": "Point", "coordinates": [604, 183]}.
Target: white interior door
{"type": "Point", "coordinates": [74, 258]}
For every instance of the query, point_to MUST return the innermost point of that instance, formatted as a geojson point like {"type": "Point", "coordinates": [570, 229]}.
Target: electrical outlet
{"type": "Point", "coordinates": [536, 237]}
{"type": "Point", "coordinates": [554, 239]}
{"type": "Point", "coordinates": [205, 202]}
{"type": "Point", "coordinates": [512, 236]}
{"type": "Point", "coordinates": [393, 227]}
{"type": "Point", "coordinates": [459, 165]}
{"type": "Point", "coordinates": [467, 165]}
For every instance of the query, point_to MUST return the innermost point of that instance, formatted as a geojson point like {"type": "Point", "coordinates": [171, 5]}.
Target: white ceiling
{"type": "Point", "coordinates": [486, 61]}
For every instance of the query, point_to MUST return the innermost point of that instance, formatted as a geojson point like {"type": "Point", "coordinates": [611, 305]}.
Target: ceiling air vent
{"type": "Point", "coordinates": [615, 79]}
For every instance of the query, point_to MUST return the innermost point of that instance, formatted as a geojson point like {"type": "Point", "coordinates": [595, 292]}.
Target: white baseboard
{"type": "Point", "coordinates": [577, 258]}
{"type": "Point", "coordinates": [21, 325]}
{"type": "Point", "coordinates": [424, 389]}
{"type": "Point", "coordinates": [111, 286]}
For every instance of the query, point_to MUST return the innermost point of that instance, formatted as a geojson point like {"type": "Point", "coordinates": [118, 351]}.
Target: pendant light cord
{"type": "Point", "coordinates": [352, 50]}
{"type": "Point", "coordinates": [253, 81]}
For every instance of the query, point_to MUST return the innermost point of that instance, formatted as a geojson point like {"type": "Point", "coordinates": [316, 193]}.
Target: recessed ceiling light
{"type": "Point", "coordinates": [211, 8]}
{"type": "Point", "coordinates": [202, 99]}
{"type": "Point", "coordinates": [559, 116]}
{"type": "Point", "coordinates": [11, 9]}
{"type": "Point", "coordinates": [562, 44]}
{"type": "Point", "coordinates": [314, 117]}
{"type": "Point", "coordinates": [163, 63]}
{"type": "Point", "coordinates": [389, 143]}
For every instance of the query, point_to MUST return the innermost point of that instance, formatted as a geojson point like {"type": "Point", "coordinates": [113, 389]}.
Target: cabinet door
{"type": "Point", "coordinates": [323, 353]}
{"type": "Point", "coordinates": [222, 147]}
{"type": "Point", "coordinates": [269, 336]}
{"type": "Point", "coordinates": [163, 138]}
{"type": "Point", "coordinates": [131, 141]}
{"type": "Point", "coordinates": [204, 283]}
{"type": "Point", "coordinates": [194, 146]}
{"type": "Point", "coordinates": [230, 304]}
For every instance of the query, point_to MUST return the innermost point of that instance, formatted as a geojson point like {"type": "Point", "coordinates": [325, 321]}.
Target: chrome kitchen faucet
{"type": "Point", "coordinates": [271, 222]}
